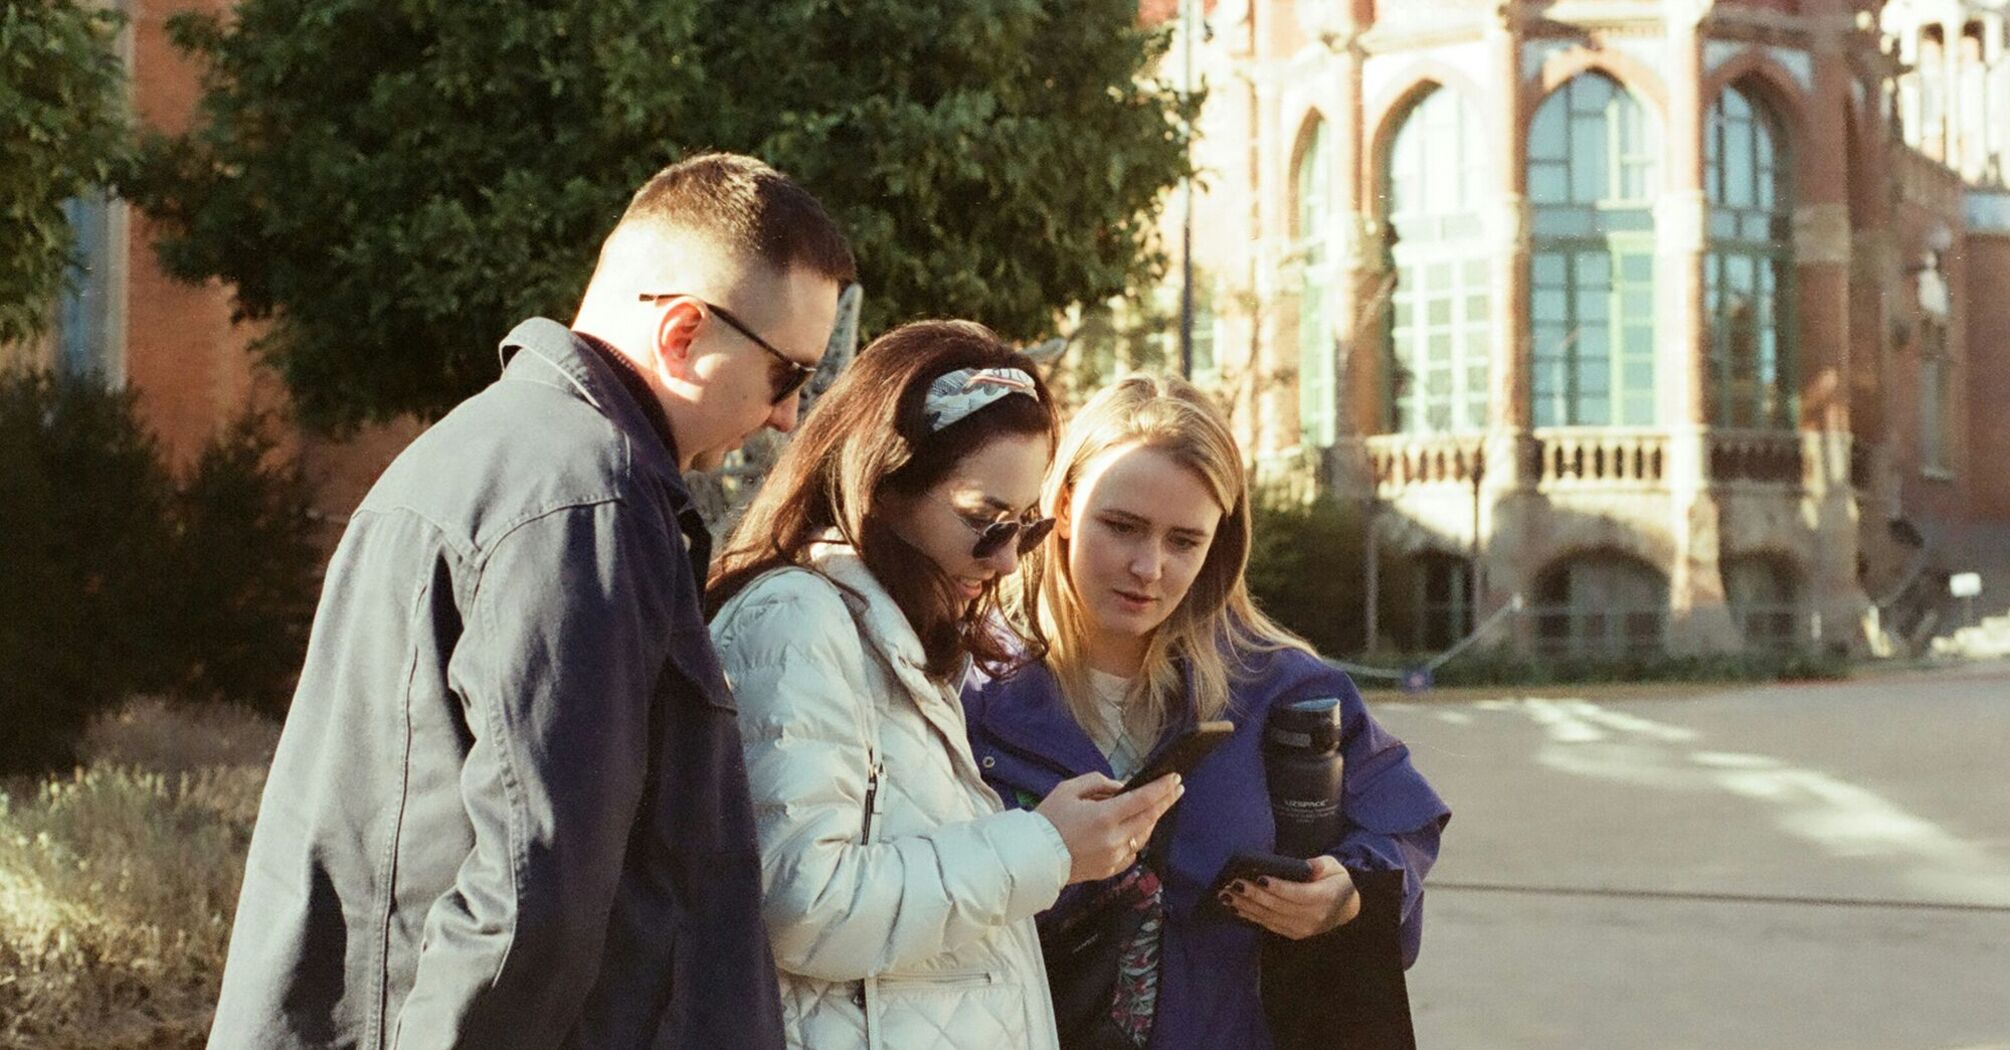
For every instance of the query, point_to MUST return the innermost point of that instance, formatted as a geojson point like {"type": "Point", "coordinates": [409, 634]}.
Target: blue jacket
{"type": "Point", "coordinates": [1027, 742]}
{"type": "Point", "coordinates": [509, 807]}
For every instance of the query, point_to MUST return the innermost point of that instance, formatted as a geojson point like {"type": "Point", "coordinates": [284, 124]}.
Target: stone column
{"type": "Point", "coordinates": [1507, 490]}
{"type": "Point", "coordinates": [1699, 621]}
{"type": "Point", "coordinates": [1822, 247]}
{"type": "Point", "coordinates": [1356, 313]}
{"type": "Point", "coordinates": [1276, 400]}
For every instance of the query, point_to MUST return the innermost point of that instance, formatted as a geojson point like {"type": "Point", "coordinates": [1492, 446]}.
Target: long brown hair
{"type": "Point", "coordinates": [1216, 626]}
{"type": "Point", "coordinates": [869, 440]}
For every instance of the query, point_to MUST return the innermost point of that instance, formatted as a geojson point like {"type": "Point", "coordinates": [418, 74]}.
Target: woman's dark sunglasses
{"type": "Point", "coordinates": [992, 537]}
{"type": "Point", "coordinates": [786, 382]}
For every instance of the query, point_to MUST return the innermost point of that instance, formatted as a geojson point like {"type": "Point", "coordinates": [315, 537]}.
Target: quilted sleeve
{"type": "Point", "coordinates": [837, 909]}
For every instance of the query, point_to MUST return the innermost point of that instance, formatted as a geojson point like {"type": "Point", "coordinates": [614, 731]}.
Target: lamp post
{"type": "Point", "coordinates": [1189, 24]}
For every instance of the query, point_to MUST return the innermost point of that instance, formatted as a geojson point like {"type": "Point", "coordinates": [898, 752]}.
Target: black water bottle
{"type": "Point", "coordinates": [1303, 767]}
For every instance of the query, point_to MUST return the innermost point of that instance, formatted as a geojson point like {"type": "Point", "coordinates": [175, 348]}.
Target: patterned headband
{"type": "Point", "coordinates": [957, 394]}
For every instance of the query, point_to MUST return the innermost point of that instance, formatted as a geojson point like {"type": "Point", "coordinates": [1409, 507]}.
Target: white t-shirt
{"type": "Point", "coordinates": [1113, 739]}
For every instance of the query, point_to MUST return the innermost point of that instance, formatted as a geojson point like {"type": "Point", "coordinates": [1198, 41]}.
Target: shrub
{"type": "Point", "coordinates": [1306, 570]}
{"type": "Point", "coordinates": [1502, 665]}
{"type": "Point", "coordinates": [244, 568]}
{"type": "Point", "coordinates": [83, 549]}
{"type": "Point", "coordinates": [114, 580]}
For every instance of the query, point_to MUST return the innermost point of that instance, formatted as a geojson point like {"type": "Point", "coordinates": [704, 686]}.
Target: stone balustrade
{"type": "Point", "coordinates": [1600, 455]}
{"type": "Point", "coordinates": [1764, 456]}
{"type": "Point", "coordinates": [1399, 461]}
{"type": "Point", "coordinates": [1571, 457]}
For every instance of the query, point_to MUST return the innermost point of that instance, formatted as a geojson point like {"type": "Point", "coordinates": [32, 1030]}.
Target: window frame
{"type": "Point", "coordinates": [1752, 237]}
{"type": "Point", "coordinates": [1440, 138]}
{"type": "Point", "coordinates": [1612, 221]}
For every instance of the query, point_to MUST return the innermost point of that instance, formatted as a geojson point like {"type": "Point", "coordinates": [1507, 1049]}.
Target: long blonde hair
{"type": "Point", "coordinates": [1216, 625]}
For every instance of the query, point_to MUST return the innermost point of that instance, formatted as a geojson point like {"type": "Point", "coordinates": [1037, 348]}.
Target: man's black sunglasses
{"type": "Point", "coordinates": [785, 383]}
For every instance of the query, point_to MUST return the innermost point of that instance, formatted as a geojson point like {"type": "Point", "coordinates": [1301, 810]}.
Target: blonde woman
{"type": "Point", "coordinates": [1138, 595]}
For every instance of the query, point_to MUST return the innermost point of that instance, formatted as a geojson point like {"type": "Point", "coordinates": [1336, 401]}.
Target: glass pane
{"type": "Point", "coordinates": [1588, 173]}
{"type": "Point", "coordinates": [1592, 342]}
{"type": "Point", "coordinates": [1546, 132]}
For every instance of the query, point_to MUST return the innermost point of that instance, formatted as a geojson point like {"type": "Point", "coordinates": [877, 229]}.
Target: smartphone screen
{"type": "Point", "coordinates": [1185, 753]}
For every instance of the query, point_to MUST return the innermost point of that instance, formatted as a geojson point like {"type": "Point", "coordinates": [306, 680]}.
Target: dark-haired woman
{"type": "Point", "coordinates": [852, 597]}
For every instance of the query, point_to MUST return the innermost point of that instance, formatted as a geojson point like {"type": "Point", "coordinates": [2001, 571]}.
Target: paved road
{"type": "Point", "coordinates": [1820, 867]}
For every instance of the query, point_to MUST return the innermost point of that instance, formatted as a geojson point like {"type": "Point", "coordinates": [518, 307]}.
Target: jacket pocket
{"type": "Point", "coordinates": [950, 1009]}
{"type": "Point", "coordinates": [949, 981]}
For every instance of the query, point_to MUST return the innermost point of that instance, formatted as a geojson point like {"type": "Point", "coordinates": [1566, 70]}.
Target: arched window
{"type": "Point", "coordinates": [1601, 605]}
{"type": "Point", "coordinates": [1311, 227]}
{"type": "Point", "coordinates": [1591, 181]}
{"type": "Point", "coordinates": [1438, 317]}
{"type": "Point", "coordinates": [1748, 273]}
{"type": "Point", "coordinates": [1442, 590]}
{"type": "Point", "coordinates": [1764, 600]}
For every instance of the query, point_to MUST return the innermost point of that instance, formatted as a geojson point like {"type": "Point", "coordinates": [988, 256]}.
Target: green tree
{"type": "Point", "coordinates": [62, 123]}
{"type": "Point", "coordinates": [394, 182]}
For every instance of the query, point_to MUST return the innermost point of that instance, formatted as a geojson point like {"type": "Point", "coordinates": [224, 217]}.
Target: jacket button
{"type": "Point", "coordinates": [989, 761]}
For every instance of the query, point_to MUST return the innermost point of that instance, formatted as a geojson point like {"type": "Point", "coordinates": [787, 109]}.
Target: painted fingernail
{"type": "Point", "coordinates": [1239, 886]}
{"type": "Point", "coordinates": [1263, 881]}
{"type": "Point", "coordinates": [1225, 899]}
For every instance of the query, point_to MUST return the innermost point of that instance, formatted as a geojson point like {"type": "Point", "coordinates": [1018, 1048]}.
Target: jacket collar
{"type": "Point", "coordinates": [885, 628]}
{"type": "Point", "coordinates": [541, 344]}
{"type": "Point", "coordinates": [541, 350]}
{"type": "Point", "coordinates": [878, 615]}
{"type": "Point", "coordinates": [1028, 712]}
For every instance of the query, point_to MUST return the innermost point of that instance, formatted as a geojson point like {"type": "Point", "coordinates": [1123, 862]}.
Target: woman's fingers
{"type": "Point", "coordinates": [1297, 909]}
{"type": "Point", "coordinates": [1104, 827]}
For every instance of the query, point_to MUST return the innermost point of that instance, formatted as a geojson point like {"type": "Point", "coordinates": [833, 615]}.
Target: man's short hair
{"type": "Point", "coordinates": [750, 209]}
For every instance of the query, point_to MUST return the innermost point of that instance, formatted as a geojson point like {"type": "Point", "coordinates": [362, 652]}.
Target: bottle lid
{"type": "Point", "coordinates": [1307, 725]}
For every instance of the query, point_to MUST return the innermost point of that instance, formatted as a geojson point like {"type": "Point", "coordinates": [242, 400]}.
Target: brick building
{"type": "Point", "coordinates": [175, 344]}
{"type": "Point", "coordinates": [1683, 321]}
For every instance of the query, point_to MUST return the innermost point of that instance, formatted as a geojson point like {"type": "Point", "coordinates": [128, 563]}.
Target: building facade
{"type": "Point", "coordinates": [177, 346]}
{"type": "Point", "coordinates": [1678, 324]}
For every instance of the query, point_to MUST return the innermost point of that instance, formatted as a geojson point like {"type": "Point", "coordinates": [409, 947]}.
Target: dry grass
{"type": "Point", "coordinates": [117, 883]}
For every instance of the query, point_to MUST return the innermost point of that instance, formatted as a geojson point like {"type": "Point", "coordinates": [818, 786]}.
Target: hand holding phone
{"type": "Point", "coordinates": [1248, 866]}
{"type": "Point", "coordinates": [1183, 754]}
{"type": "Point", "coordinates": [1102, 827]}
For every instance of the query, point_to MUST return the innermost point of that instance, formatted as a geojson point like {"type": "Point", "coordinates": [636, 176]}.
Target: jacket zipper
{"type": "Point", "coordinates": [871, 801]}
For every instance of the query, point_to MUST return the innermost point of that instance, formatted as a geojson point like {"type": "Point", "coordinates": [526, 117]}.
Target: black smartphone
{"type": "Point", "coordinates": [1185, 753]}
{"type": "Point", "coordinates": [1250, 866]}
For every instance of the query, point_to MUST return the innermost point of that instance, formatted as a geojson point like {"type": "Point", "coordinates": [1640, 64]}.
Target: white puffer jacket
{"type": "Point", "coordinates": [913, 930]}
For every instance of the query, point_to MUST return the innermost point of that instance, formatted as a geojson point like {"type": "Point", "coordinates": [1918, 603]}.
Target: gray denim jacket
{"type": "Point", "coordinates": [509, 807]}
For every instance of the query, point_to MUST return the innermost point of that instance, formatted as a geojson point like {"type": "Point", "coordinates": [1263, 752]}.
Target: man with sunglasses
{"type": "Point", "coordinates": [509, 807]}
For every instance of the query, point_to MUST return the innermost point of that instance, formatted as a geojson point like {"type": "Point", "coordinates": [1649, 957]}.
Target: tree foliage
{"type": "Point", "coordinates": [62, 122]}
{"type": "Point", "coordinates": [395, 182]}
